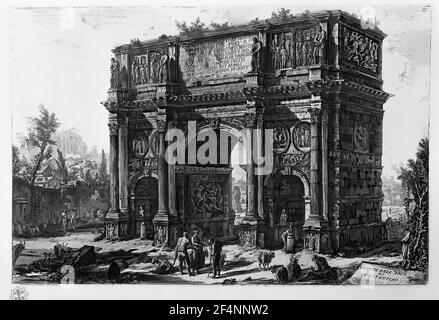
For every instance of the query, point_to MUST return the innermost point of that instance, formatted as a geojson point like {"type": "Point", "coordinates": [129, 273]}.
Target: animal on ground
{"type": "Point", "coordinates": [265, 258]}
{"type": "Point", "coordinates": [17, 249]}
{"type": "Point", "coordinates": [320, 264]}
{"type": "Point", "coordinates": [163, 265]}
{"type": "Point", "coordinates": [280, 272]}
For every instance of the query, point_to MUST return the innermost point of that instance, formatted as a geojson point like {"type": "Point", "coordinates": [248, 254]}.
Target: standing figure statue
{"type": "Point", "coordinates": [115, 83]}
{"type": "Point", "coordinates": [319, 45]}
{"type": "Point", "coordinates": [256, 55]}
{"type": "Point", "coordinates": [163, 74]}
{"type": "Point", "coordinates": [288, 240]}
{"type": "Point", "coordinates": [133, 72]}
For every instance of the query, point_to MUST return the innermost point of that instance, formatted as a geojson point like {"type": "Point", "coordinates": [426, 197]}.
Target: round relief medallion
{"type": "Point", "coordinates": [154, 143]}
{"type": "Point", "coordinates": [302, 136]}
{"type": "Point", "coordinates": [139, 145]}
{"type": "Point", "coordinates": [361, 138]}
{"type": "Point", "coordinates": [281, 138]}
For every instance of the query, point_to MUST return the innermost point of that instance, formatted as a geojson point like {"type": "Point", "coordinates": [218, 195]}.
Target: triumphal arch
{"type": "Point", "coordinates": [314, 80]}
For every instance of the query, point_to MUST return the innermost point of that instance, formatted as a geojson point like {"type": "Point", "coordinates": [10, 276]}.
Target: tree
{"type": "Point", "coordinates": [63, 172]}
{"type": "Point", "coordinates": [414, 178]}
{"type": "Point", "coordinates": [16, 161]}
{"type": "Point", "coordinates": [103, 167]}
{"type": "Point", "coordinates": [40, 135]}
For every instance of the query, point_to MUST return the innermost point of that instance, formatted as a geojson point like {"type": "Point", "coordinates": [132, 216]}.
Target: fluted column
{"type": "Point", "coordinates": [315, 195]}
{"type": "Point", "coordinates": [171, 180]}
{"type": "Point", "coordinates": [113, 126]}
{"type": "Point", "coordinates": [250, 212]}
{"type": "Point", "coordinates": [162, 170]}
{"type": "Point", "coordinates": [123, 167]}
{"type": "Point", "coordinates": [260, 177]}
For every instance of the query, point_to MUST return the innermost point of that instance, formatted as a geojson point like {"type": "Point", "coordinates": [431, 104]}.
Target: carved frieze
{"type": "Point", "coordinates": [355, 159]}
{"type": "Point", "coordinates": [207, 197]}
{"type": "Point", "coordinates": [359, 50]}
{"type": "Point", "coordinates": [282, 50]}
{"type": "Point", "coordinates": [310, 44]}
{"type": "Point", "coordinates": [295, 159]}
{"type": "Point", "coordinates": [302, 136]}
{"type": "Point", "coordinates": [150, 67]}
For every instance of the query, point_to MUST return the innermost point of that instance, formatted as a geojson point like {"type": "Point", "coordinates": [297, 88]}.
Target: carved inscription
{"type": "Point", "coordinates": [219, 58]}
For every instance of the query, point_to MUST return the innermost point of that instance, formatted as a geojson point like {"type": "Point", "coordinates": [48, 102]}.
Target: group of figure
{"type": "Point", "coordinates": [360, 50]}
{"type": "Point", "coordinates": [140, 146]}
{"type": "Point", "coordinates": [68, 220]}
{"type": "Point", "coordinates": [155, 71]}
{"type": "Point", "coordinates": [196, 246]}
{"type": "Point", "coordinates": [309, 47]}
{"type": "Point", "coordinates": [208, 197]}
{"type": "Point", "coordinates": [282, 51]}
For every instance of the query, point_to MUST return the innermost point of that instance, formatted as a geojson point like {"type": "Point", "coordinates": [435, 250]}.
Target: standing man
{"type": "Point", "coordinates": [73, 220]}
{"type": "Point", "coordinates": [217, 247]}
{"type": "Point", "coordinates": [198, 246]}
{"type": "Point", "coordinates": [64, 220]}
{"type": "Point", "coordinates": [181, 253]}
{"type": "Point", "coordinates": [406, 246]}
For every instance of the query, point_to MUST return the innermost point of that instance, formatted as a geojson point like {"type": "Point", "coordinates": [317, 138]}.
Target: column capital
{"type": "Point", "coordinates": [315, 114]}
{"type": "Point", "coordinates": [113, 127]}
{"type": "Point", "coordinates": [250, 120]}
{"type": "Point", "coordinates": [161, 125]}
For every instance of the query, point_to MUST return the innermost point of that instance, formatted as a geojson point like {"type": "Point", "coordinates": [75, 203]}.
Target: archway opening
{"type": "Point", "coordinates": [286, 206]}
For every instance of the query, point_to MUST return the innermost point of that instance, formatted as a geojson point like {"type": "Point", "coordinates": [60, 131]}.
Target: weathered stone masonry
{"type": "Point", "coordinates": [315, 80]}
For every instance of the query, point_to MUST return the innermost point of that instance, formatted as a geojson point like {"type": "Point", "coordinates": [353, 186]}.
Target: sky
{"type": "Point", "coordinates": [60, 57]}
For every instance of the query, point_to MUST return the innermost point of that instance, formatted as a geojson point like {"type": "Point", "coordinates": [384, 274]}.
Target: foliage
{"type": "Point", "coordinates": [219, 26]}
{"type": "Point", "coordinates": [164, 37]}
{"type": "Point", "coordinates": [255, 21]}
{"type": "Point", "coordinates": [195, 28]}
{"type": "Point", "coordinates": [415, 180]}
{"type": "Point", "coordinates": [62, 168]}
{"type": "Point", "coordinates": [103, 166]}
{"type": "Point", "coordinates": [281, 15]}
{"type": "Point", "coordinates": [40, 135]}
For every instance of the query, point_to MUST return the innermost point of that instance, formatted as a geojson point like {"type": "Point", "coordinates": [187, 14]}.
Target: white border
{"type": "Point", "coordinates": [190, 292]}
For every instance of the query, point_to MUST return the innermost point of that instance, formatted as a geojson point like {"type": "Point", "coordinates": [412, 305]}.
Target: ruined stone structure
{"type": "Point", "coordinates": [314, 79]}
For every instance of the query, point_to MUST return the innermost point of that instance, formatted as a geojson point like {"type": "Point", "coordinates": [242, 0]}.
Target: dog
{"type": "Point", "coordinates": [280, 272]}
{"type": "Point", "coordinates": [265, 259]}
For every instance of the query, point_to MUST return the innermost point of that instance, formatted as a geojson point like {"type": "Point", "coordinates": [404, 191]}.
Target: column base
{"type": "Point", "coordinates": [116, 225]}
{"type": "Point", "coordinates": [165, 231]}
{"type": "Point", "coordinates": [254, 79]}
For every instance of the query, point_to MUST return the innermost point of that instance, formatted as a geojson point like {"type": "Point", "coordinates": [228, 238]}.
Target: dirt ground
{"type": "Point", "coordinates": [241, 265]}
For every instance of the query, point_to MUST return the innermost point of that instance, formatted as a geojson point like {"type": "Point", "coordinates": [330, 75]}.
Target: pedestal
{"type": "Point", "coordinates": [317, 236]}
{"type": "Point", "coordinates": [116, 225]}
{"type": "Point", "coordinates": [252, 235]}
{"type": "Point", "coordinates": [165, 231]}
